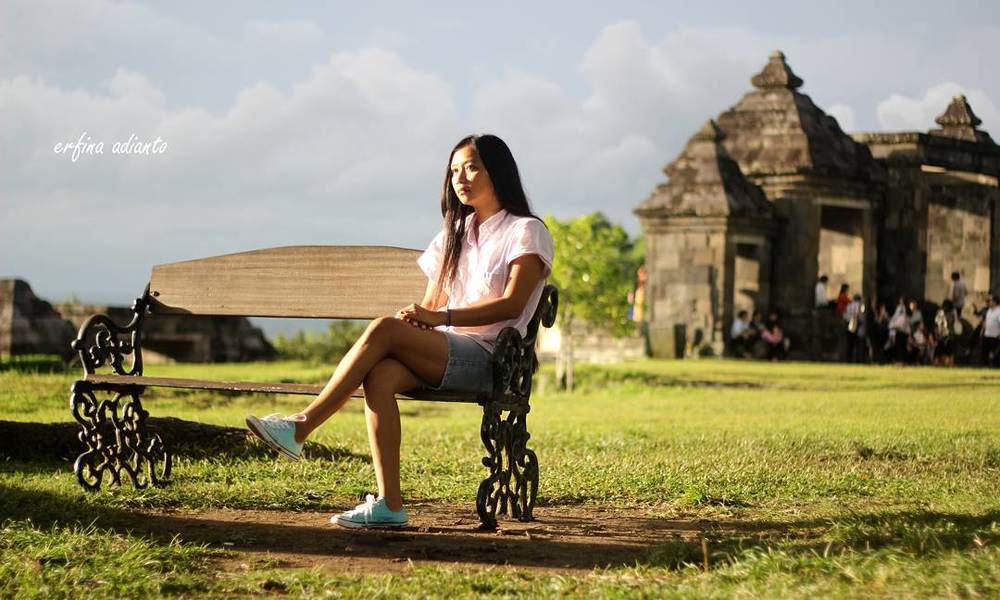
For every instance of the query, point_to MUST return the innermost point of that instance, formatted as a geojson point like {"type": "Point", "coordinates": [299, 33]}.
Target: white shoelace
{"type": "Point", "coordinates": [365, 510]}
{"type": "Point", "coordinates": [282, 421]}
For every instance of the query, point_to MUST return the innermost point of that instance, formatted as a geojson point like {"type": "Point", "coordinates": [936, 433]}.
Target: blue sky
{"type": "Point", "coordinates": [329, 123]}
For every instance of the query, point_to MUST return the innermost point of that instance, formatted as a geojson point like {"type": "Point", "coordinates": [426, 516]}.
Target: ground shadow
{"type": "Point", "coordinates": [49, 442]}
{"type": "Point", "coordinates": [562, 537]}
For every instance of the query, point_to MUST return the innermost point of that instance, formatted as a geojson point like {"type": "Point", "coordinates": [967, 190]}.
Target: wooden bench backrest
{"type": "Point", "coordinates": [342, 282]}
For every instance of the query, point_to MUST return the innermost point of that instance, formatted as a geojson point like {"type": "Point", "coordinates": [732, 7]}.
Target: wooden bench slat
{"type": "Point", "coordinates": [326, 282]}
{"type": "Point", "coordinates": [273, 388]}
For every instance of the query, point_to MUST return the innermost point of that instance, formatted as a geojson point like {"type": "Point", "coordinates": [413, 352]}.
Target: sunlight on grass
{"type": "Point", "coordinates": [896, 469]}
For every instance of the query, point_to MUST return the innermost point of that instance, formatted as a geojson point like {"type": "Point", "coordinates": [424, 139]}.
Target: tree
{"type": "Point", "coordinates": [594, 269]}
{"type": "Point", "coordinates": [321, 347]}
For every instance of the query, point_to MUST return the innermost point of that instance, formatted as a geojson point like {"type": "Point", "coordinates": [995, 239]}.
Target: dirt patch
{"type": "Point", "coordinates": [560, 539]}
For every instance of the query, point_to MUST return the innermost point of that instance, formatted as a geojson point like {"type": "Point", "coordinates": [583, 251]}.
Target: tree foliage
{"type": "Point", "coordinates": [595, 266]}
{"type": "Point", "coordinates": [321, 347]}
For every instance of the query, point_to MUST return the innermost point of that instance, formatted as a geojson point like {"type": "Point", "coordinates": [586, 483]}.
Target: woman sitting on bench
{"type": "Point", "coordinates": [486, 270]}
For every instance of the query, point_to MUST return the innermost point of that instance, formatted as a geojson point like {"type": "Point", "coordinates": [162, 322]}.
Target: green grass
{"type": "Point", "coordinates": [817, 479]}
{"type": "Point", "coordinates": [71, 561]}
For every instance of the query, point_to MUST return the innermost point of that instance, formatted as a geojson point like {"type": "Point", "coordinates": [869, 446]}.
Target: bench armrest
{"type": "Point", "coordinates": [100, 341]}
{"type": "Point", "coordinates": [512, 367]}
{"type": "Point", "coordinates": [514, 360]}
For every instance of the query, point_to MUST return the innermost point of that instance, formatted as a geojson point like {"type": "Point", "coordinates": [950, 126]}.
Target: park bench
{"type": "Point", "coordinates": [330, 282]}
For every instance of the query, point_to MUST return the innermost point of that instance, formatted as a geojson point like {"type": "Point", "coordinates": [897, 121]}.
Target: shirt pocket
{"type": "Point", "coordinates": [494, 280]}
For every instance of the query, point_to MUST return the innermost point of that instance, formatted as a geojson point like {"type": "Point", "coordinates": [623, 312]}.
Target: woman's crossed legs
{"type": "Point", "coordinates": [390, 357]}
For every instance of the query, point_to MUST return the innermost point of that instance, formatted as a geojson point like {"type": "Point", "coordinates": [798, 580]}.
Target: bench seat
{"type": "Point", "coordinates": [301, 389]}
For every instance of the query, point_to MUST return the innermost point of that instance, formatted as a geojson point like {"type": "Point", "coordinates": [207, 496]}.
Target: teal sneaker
{"type": "Point", "coordinates": [277, 432]}
{"type": "Point", "coordinates": [372, 514]}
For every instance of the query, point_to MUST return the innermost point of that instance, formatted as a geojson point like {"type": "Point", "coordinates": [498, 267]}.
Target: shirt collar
{"type": "Point", "coordinates": [486, 227]}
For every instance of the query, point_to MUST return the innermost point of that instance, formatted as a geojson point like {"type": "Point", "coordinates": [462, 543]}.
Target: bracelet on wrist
{"type": "Point", "coordinates": [448, 322]}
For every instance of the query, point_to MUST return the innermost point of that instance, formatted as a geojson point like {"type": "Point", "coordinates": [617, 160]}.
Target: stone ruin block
{"type": "Point", "coordinates": [29, 325]}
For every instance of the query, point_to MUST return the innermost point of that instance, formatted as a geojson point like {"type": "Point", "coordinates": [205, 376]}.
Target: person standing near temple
{"type": "Point", "coordinates": [945, 331]}
{"type": "Point", "coordinates": [820, 293]}
{"type": "Point", "coordinates": [638, 307]}
{"type": "Point", "coordinates": [639, 295]}
{"type": "Point", "coordinates": [852, 317]}
{"type": "Point", "coordinates": [899, 333]}
{"type": "Point", "coordinates": [957, 293]}
{"type": "Point", "coordinates": [843, 299]}
{"type": "Point", "coordinates": [991, 332]}
{"type": "Point", "coordinates": [741, 335]}
{"type": "Point", "coordinates": [878, 331]}
{"type": "Point", "coordinates": [916, 314]}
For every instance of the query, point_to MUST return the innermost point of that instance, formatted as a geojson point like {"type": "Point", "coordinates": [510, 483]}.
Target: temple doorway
{"type": "Point", "coordinates": [842, 247]}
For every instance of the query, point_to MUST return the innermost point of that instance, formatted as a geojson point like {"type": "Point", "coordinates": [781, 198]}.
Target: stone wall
{"type": "Point", "coordinates": [903, 247]}
{"type": "Point", "coordinates": [186, 338]}
{"type": "Point", "coordinates": [841, 246]}
{"type": "Point", "coordinates": [958, 239]}
{"type": "Point", "coordinates": [823, 225]}
{"type": "Point", "coordinates": [591, 345]}
{"type": "Point", "coordinates": [941, 213]}
{"type": "Point", "coordinates": [29, 325]}
{"type": "Point", "coordinates": [686, 306]}
{"type": "Point", "coordinates": [751, 274]}
{"type": "Point", "coordinates": [705, 271]}
{"type": "Point", "coordinates": [995, 244]}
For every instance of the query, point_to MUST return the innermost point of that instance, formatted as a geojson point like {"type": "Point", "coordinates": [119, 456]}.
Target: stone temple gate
{"type": "Point", "coordinates": [771, 193]}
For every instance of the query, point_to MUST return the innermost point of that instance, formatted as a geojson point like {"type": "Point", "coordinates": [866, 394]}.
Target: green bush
{"type": "Point", "coordinates": [320, 347]}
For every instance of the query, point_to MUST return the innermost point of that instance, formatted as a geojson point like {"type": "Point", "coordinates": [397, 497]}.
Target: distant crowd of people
{"type": "Point", "coordinates": [869, 332]}
{"type": "Point", "coordinates": [905, 336]}
{"type": "Point", "coordinates": [748, 331]}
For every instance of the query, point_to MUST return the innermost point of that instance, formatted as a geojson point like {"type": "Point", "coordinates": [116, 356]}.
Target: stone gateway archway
{"type": "Point", "coordinates": [772, 193]}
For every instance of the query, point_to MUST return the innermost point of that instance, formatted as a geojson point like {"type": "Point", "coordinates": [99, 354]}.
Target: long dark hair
{"type": "Point", "coordinates": [502, 169]}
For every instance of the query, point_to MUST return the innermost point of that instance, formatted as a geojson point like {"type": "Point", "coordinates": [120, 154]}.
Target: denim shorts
{"type": "Point", "coordinates": [469, 368]}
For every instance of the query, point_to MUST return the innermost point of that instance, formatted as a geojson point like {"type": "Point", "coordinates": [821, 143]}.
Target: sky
{"type": "Point", "coordinates": [330, 122]}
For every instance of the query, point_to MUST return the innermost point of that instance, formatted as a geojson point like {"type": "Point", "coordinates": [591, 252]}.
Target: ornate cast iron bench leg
{"type": "Point", "coordinates": [116, 440]}
{"type": "Point", "coordinates": [508, 458]}
{"type": "Point", "coordinates": [114, 431]}
{"type": "Point", "coordinates": [510, 462]}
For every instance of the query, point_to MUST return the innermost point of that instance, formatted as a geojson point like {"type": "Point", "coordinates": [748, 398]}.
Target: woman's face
{"type": "Point", "coordinates": [469, 178]}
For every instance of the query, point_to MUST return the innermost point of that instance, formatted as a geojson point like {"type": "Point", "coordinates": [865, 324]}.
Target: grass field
{"type": "Point", "coordinates": [802, 479]}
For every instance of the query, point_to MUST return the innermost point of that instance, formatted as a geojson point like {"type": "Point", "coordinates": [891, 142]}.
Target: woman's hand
{"type": "Point", "coordinates": [418, 316]}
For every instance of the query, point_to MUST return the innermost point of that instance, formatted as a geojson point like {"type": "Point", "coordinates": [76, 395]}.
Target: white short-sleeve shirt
{"type": "Point", "coordinates": [484, 268]}
{"type": "Point", "coordinates": [821, 299]}
{"type": "Point", "coordinates": [991, 323]}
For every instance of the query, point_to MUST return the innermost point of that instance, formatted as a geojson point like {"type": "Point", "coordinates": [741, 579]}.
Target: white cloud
{"type": "Point", "coordinates": [666, 90]}
{"type": "Point", "coordinates": [349, 154]}
{"type": "Point", "coordinates": [346, 156]}
{"type": "Point", "coordinates": [54, 32]}
{"type": "Point", "coordinates": [76, 44]}
{"type": "Point", "coordinates": [351, 151]}
{"type": "Point", "coordinates": [605, 151]}
{"type": "Point", "coordinates": [903, 112]}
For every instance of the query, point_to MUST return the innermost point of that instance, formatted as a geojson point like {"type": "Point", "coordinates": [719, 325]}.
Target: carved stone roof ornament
{"type": "Point", "coordinates": [704, 182]}
{"type": "Point", "coordinates": [776, 74]}
{"type": "Point", "coordinates": [958, 113]}
{"type": "Point", "coordinates": [777, 130]}
{"type": "Point", "coordinates": [958, 121]}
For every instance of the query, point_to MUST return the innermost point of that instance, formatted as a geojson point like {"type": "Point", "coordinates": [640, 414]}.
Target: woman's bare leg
{"type": "Point", "coordinates": [382, 384]}
{"type": "Point", "coordinates": [423, 351]}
